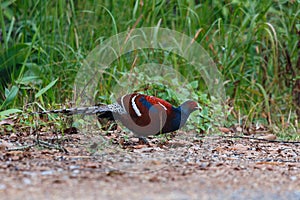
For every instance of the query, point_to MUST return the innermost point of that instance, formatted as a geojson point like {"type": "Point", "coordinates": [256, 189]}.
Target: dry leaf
{"type": "Point", "coordinates": [239, 129]}
{"type": "Point", "coordinates": [91, 165]}
{"type": "Point", "coordinates": [268, 137]}
{"type": "Point", "coordinates": [239, 147]}
{"type": "Point", "coordinates": [13, 137]}
{"type": "Point", "coordinates": [6, 122]}
{"type": "Point", "coordinates": [224, 129]}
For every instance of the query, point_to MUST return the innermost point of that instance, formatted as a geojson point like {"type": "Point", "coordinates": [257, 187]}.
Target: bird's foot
{"type": "Point", "coordinates": [143, 140]}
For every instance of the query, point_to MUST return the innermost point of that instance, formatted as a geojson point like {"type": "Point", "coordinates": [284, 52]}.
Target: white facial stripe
{"type": "Point", "coordinates": [135, 108]}
{"type": "Point", "coordinates": [122, 102]}
{"type": "Point", "coordinates": [162, 106]}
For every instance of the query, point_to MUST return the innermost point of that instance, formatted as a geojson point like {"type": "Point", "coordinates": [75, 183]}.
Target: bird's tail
{"type": "Point", "coordinates": [77, 111]}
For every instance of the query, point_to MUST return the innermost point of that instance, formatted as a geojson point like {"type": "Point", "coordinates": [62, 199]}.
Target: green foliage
{"type": "Point", "coordinates": [255, 45]}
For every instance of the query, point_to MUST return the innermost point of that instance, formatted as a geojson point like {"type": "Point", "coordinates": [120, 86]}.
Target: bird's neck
{"type": "Point", "coordinates": [184, 112]}
{"type": "Point", "coordinates": [181, 115]}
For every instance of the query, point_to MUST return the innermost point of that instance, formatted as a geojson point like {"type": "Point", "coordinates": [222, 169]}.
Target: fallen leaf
{"type": "Point", "coordinates": [154, 179]}
{"type": "Point", "coordinates": [224, 129]}
{"type": "Point", "coordinates": [14, 153]}
{"type": "Point", "coordinates": [6, 122]}
{"type": "Point", "coordinates": [4, 145]}
{"type": "Point", "coordinates": [269, 163]}
{"type": "Point", "coordinates": [114, 173]}
{"type": "Point", "coordinates": [239, 147]}
{"type": "Point", "coordinates": [92, 165]}
{"type": "Point", "coordinates": [268, 137]}
{"type": "Point", "coordinates": [58, 181]}
{"type": "Point", "coordinates": [13, 137]}
{"type": "Point", "coordinates": [15, 158]}
{"type": "Point", "coordinates": [140, 146]}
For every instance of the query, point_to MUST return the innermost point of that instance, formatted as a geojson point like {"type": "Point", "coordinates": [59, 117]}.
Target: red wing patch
{"type": "Point", "coordinates": [154, 100]}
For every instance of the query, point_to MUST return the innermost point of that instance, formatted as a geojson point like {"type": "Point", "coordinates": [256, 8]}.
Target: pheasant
{"type": "Point", "coordinates": [142, 114]}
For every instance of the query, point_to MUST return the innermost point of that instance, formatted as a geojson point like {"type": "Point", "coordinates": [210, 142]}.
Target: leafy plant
{"type": "Point", "coordinates": [255, 45]}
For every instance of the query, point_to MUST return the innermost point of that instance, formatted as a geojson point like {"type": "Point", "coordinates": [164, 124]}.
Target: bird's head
{"type": "Point", "coordinates": [189, 106]}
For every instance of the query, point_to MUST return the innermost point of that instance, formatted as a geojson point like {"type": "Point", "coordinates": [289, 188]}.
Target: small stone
{"type": "Point", "coordinates": [2, 186]}
{"type": "Point", "coordinates": [27, 181]}
{"type": "Point", "coordinates": [73, 167]}
{"type": "Point", "coordinates": [239, 129]}
{"type": "Point", "coordinates": [47, 172]}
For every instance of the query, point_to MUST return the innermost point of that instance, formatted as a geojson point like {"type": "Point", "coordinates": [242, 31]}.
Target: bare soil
{"type": "Point", "coordinates": [187, 166]}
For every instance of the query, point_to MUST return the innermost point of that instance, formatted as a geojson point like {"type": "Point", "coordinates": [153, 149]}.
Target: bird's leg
{"type": "Point", "coordinates": [167, 137]}
{"type": "Point", "coordinates": [170, 136]}
{"type": "Point", "coordinates": [143, 140]}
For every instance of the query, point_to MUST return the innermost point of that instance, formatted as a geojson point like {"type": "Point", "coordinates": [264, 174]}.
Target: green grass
{"type": "Point", "coordinates": [255, 45]}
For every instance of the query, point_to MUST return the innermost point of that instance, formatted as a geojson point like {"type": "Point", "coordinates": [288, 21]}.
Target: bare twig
{"type": "Point", "coordinates": [261, 139]}
{"type": "Point", "coordinates": [38, 142]}
{"type": "Point", "coordinates": [51, 146]}
{"type": "Point", "coordinates": [21, 148]}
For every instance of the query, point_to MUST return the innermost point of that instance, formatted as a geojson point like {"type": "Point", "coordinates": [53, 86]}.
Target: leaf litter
{"type": "Point", "coordinates": [114, 165]}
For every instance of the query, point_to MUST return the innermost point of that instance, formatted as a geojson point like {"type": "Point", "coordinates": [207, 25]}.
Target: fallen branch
{"type": "Point", "coordinates": [261, 139]}
{"type": "Point", "coordinates": [38, 143]}
{"type": "Point", "coordinates": [21, 148]}
{"type": "Point", "coordinates": [50, 146]}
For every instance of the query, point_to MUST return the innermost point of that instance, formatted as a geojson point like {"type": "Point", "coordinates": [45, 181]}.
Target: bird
{"type": "Point", "coordinates": [144, 115]}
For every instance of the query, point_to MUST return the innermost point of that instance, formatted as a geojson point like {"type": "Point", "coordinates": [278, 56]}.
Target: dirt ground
{"type": "Point", "coordinates": [187, 166]}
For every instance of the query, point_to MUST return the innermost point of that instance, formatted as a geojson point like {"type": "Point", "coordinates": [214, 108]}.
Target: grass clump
{"type": "Point", "coordinates": [255, 45]}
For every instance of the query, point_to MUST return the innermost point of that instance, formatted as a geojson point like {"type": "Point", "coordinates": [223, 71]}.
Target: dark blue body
{"type": "Point", "coordinates": [175, 117]}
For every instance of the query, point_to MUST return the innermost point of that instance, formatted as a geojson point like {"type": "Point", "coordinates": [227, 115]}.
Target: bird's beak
{"type": "Point", "coordinates": [199, 108]}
